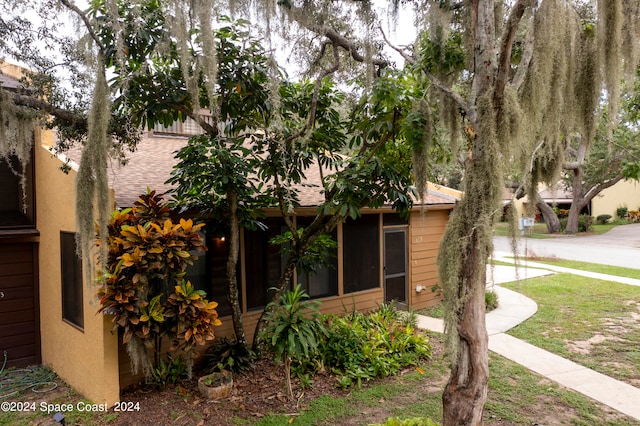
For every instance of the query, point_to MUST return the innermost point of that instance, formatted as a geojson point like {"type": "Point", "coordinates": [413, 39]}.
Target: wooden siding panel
{"type": "Point", "coordinates": [19, 322]}
{"type": "Point", "coordinates": [425, 234]}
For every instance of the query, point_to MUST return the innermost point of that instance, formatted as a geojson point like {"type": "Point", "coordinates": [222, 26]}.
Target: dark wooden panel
{"type": "Point", "coordinates": [16, 292]}
{"type": "Point", "coordinates": [16, 305]}
{"type": "Point", "coordinates": [7, 330]}
{"type": "Point", "coordinates": [19, 312]}
{"type": "Point", "coordinates": [18, 340]}
{"type": "Point", "coordinates": [16, 317]}
{"type": "Point", "coordinates": [10, 281]}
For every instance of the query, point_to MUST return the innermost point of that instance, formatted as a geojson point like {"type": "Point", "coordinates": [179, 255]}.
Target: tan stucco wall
{"type": "Point", "coordinates": [622, 194]}
{"type": "Point", "coordinates": [86, 359]}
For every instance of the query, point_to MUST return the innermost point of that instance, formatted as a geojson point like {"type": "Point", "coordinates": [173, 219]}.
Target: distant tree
{"type": "Point", "coordinates": [592, 169]}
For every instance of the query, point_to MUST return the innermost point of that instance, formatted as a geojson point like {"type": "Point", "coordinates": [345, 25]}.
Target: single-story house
{"type": "Point", "coordinates": [48, 314]}
{"type": "Point", "coordinates": [625, 193]}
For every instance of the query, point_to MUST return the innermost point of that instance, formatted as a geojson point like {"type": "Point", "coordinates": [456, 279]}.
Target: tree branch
{"type": "Point", "coordinates": [523, 67]}
{"type": "Point", "coordinates": [596, 189]}
{"type": "Point", "coordinates": [579, 154]}
{"type": "Point", "coordinates": [69, 117]}
{"type": "Point", "coordinates": [455, 96]}
{"type": "Point", "coordinates": [411, 60]}
{"type": "Point", "coordinates": [86, 21]}
{"type": "Point", "coordinates": [338, 40]}
{"type": "Point", "coordinates": [506, 45]}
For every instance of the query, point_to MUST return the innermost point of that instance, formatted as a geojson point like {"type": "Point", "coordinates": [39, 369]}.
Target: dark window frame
{"type": "Point", "coordinates": [16, 218]}
{"type": "Point", "coordinates": [71, 281]}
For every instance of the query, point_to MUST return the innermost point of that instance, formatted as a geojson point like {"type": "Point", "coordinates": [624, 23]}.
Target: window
{"type": "Point", "coordinates": [361, 253]}
{"type": "Point", "coordinates": [16, 192]}
{"type": "Point", "coordinates": [263, 263]}
{"type": "Point", "coordinates": [72, 297]}
{"type": "Point", "coordinates": [393, 219]}
{"type": "Point", "coordinates": [182, 128]}
{"type": "Point", "coordinates": [323, 282]}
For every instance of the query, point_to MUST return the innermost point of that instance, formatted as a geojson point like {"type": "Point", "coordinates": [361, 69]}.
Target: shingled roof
{"type": "Point", "coordinates": [151, 164]}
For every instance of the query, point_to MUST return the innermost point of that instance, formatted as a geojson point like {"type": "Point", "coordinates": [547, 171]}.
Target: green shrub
{"type": "Point", "coordinates": [360, 347]}
{"type": "Point", "coordinates": [585, 222]}
{"type": "Point", "coordinates": [230, 355]}
{"type": "Point", "coordinates": [621, 212]}
{"type": "Point", "coordinates": [415, 421]}
{"type": "Point", "coordinates": [490, 300]}
{"type": "Point", "coordinates": [292, 330]}
{"type": "Point", "coordinates": [563, 223]}
{"type": "Point", "coordinates": [603, 219]}
{"type": "Point", "coordinates": [168, 373]}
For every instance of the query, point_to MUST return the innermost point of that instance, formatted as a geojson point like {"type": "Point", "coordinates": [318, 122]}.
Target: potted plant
{"type": "Point", "coordinates": [216, 385]}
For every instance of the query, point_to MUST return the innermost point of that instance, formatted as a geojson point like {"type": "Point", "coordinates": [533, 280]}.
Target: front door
{"type": "Point", "coordinates": [395, 265]}
{"type": "Point", "coordinates": [19, 313]}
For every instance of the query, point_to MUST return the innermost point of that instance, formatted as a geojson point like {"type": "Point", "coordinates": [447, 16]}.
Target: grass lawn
{"type": "Point", "coordinates": [591, 267]}
{"type": "Point", "coordinates": [592, 322]}
{"type": "Point", "coordinates": [516, 397]}
{"type": "Point", "coordinates": [539, 230]}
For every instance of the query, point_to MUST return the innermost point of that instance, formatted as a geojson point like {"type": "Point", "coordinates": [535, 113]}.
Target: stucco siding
{"type": "Point", "coordinates": [622, 194]}
{"type": "Point", "coordinates": [86, 359]}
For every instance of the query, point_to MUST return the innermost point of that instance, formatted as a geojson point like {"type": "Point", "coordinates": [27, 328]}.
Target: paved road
{"type": "Point", "coordinates": [618, 247]}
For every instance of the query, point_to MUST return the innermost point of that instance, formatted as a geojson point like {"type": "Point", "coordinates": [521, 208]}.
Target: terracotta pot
{"type": "Point", "coordinates": [216, 385]}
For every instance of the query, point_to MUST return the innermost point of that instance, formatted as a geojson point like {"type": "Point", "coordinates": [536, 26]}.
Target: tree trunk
{"type": "Point", "coordinates": [466, 391]}
{"type": "Point", "coordinates": [572, 219]}
{"type": "Point", "coordinates": [232, 264]}
{"type": "Point", "coordinates": [550, 216]}
{"type": "Point", "coordinates": [577, 203]}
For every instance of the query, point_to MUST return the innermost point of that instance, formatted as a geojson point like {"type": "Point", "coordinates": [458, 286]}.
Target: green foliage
{"type": "Point", "coordinates": [441, 56]}
{"type": "Point", "coordinates": [316, 255]}
{"type": "Point", "coordinates": [490, 300]}
{"type": "Point", "coordinates": [621, 212]}
{"type": "Point", "coordinates": [292, 329]}
{"type": "Point", "coordinates": [584, 223]}
{"type": "Point", "coordinates": [360, 347]}
{"type": "Point", "coordinates": [143, 285]}
{"type": "Point", "coordinates": [292, 325]}
{"type": "Point", "coordinates": [603, 219]}
{"type": "Point", "coordinates": [415, 421]}
{"type": "Point", "coordinates": [170, 372]}
{"type": "Point", "coordinates": [228, 355]}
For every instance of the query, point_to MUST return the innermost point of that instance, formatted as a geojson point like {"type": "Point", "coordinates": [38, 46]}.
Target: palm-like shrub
{"type": "Point", "coordinates": [292, 330]}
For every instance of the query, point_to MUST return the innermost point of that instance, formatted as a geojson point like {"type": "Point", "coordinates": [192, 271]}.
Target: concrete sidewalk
{"type": "Point", "coordinates": [515, 308]}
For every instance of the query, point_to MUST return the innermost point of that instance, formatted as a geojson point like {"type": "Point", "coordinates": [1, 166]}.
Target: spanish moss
{"type": "Point", "coordinates": [92, 186]}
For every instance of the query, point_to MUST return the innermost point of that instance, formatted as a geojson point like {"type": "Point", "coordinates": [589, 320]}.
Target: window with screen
{"type": "Point", "coordinates": [361, 253]}
{"type": "Point", "coordinates": [263, 263]}
{"type": "Point", "coordinates": [323, 281]}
